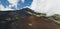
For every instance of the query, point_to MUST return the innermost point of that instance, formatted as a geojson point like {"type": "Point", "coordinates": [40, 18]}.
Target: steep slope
{"type": "Point", "coordinates": [8, 17]}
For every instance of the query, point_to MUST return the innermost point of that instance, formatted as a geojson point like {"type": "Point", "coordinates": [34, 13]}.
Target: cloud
{"type": "Point", "coordinates": [8, 8]}
{"type": "Point", "coordinates": [13, 3]}
{"type": "Point", "coordinates": [22, 1]}
{"type": "Point", "coordinates": [39, 6]}
{"type": "Point", "coordinates": [2, 8]}
{"type": "Point", "coordinates": [49, 7]}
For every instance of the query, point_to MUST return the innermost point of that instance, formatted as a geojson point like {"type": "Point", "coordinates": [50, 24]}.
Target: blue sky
{"type": "Point", "coordinates": [6, 3]}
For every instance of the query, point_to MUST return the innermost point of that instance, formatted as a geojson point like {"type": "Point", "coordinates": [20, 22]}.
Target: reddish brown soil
{"type": "Point", "coordinates": [41, 23]}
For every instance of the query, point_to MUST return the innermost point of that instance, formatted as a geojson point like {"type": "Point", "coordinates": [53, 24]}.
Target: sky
{"type": "Point", "coordinates": [50, 7]}
{"type": "Point", "coordinates": [7, 5]}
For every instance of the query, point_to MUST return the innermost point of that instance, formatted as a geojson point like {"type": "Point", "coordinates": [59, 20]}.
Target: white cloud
{"type": "Point", "coordinates": [13, 3]}
{"type": "Point", "coordinates": [39, 6]}
{"type": "Point", "coordinates": [5, 9]}
{"type": "Point", "coordinates": [22, 1]}
{"type": "Point", "coordinates": [49, 7]}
